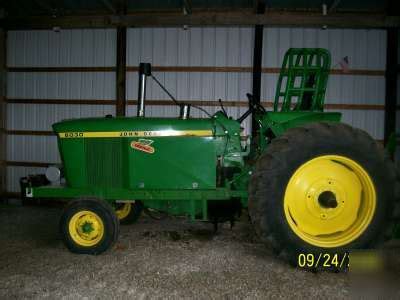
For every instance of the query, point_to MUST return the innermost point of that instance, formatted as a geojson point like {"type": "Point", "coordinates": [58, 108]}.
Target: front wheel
{"type": "Point", "coordinates": [322, 188]}
{"type": "Point", "coordinates": [89, 226]}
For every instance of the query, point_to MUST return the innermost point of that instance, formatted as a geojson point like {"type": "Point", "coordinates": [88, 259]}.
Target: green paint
{"type": "Point", "coordinates": [87, 227]}
{"type": "Point", "coordinates": [175, 163]}
{"type": "Point", "coordinates": [279, 122]}
{"type": "Point", "coordinates": [179, 177]}
{"type": "Point", "coordinates": [127, 159]}
{"type": "Point", "coordinates": [396, 234]}
{"type": "Point", "coordinates": [391, 144]}
{"type": "Point", "coordinates": [302, 80]}
{"type": "Point", "coordinates": [111, 194]}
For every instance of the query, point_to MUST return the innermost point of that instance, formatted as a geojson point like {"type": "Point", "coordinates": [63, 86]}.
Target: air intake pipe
{"type": "Point", "coordinates": [144, 71]}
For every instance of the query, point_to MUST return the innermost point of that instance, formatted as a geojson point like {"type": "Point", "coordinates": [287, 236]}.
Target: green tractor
{"type": "Point", "coordinates": [310, 183]}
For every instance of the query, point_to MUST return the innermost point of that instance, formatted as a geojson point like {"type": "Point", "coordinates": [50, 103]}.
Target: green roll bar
{"type": "Point", "coordinates": [302, 80]}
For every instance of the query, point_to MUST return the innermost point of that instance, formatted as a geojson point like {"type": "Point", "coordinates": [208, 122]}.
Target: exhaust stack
{"type": "Point", "coordinates": [144, 71]}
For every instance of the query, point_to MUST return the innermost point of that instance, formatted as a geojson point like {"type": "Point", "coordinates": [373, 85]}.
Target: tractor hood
{"type": "Point", "coordinates": [132, 124]}
{"type": "Point", "coordinates": [217, 125]}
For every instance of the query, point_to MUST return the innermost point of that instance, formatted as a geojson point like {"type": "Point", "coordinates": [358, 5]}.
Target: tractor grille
{"type": "Point", "coordinates": [104, 162]}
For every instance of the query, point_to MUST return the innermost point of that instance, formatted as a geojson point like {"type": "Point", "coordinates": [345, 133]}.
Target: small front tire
{"type": "Point", "coordinates": [89, 226]}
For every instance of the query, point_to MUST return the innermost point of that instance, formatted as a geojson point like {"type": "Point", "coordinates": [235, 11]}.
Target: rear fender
{"type": "Point", "coordinates": [279, 122]}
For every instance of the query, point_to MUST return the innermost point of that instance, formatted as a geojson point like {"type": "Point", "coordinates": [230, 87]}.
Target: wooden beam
{"type": "Point", "coordinates": [269, 70]}
{"type": "Point", "coordinates": [3, 109]}
{"type": "Point", "coordinates": [61, 69]}
{"type": "Point", "coordinates": [61, 101]}
{"type": "Point", "coordinates": [121, 72]}
{"type": "Point", "coordinates": [36, 164]}
{"type": "Point", "coordinates": [270, 18]}
{"type": "Point", "coordinates": [228, 103]}
{"type": "Point", "coordinates": [348, 106]}
{"type": "Point", "coordinates": [392, 47]}
{"type": "Point", "coordinates": [266, 104]}
{"type": "Point", "coordinates": [30, 132]}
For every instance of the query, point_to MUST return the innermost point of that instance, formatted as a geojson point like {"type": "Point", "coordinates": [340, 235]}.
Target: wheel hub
{"type": "Point", "coordinates": [327, 199]}
{"type": "Point", "coordinates": [86, 228]}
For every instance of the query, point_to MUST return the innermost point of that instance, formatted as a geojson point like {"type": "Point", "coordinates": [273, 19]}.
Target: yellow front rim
{"type": "Point", "coordinates": [86, 228]}
{"type": "Point", "coordinates": [330, 201]}
{"type": "Point", "coordinates": [123, 211]}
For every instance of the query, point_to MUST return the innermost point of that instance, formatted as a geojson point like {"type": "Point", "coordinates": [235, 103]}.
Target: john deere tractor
{"type": "Point", "coordinates": [310, 183]}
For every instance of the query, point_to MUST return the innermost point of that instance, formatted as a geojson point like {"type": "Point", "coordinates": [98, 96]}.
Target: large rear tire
{"type": "Point", "coordinates": [322, 188]}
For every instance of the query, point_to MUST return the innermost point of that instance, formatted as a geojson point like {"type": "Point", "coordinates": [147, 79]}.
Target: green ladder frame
{"type": "Point", "coordinates": [303, 79]}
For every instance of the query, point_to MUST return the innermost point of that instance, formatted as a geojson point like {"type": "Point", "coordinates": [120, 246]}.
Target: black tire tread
{"type": "Point", "coordinates": [268, 169]}
{"type": "Point", "coordinates": [106, 208]}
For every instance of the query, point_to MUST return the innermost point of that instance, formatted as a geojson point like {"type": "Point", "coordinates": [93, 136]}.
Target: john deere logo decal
{"type": "Point", "coordinates": [143, 145]}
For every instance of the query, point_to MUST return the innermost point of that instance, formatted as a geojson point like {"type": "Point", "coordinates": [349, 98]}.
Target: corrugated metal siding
{"type": "Point", "coordinates": [211, 46]}
{"type": "Point", "coordinates": [221, 46]}
{"type": "Point", "coordinates": [366, 49]}
{"type": "Point", "coordinates": [15, 173]}
{"type": "Point", "coordinates": [67, 48]}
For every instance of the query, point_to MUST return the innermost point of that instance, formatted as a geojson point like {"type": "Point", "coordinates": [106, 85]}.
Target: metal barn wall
{"type": "Point", "coordinates": [225, 53]}
{"type": "Point", "coordinates": [233, 47]}
{"type": "Point", "coordinates": [195, 47]}
{"type": "Point", "coordinates": [67, 48]}
{"type": "Point", "coordinates": [366, 50]}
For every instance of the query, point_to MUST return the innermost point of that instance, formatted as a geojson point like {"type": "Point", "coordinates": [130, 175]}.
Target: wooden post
{"type": "Point", "coordinates": [3, 76]}
{"type": "Point", "coordinates": [121, 72]}
{"type": "Point", "coordinates": [391, 82]}
{"type": "Point", "coordinates": [257, 62]}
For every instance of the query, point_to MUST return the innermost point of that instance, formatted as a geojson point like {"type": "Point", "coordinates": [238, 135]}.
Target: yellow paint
{"type": "Point", "coordinates": [324, 226]}
{"type": "Point", "coordinates": [77, 228]}
{"type": "Point", "coordinates": [119, 134]}
{"type": "Point", "coordinates": [124, 211]}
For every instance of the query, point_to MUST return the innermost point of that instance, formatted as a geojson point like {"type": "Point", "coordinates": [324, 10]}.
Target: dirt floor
{"type": "Point", "coordinates": [172, 258]}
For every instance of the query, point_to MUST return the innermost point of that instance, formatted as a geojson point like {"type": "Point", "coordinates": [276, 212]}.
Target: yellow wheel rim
{"type": "Point", "coordinates": [86, 228]}
{"type": "Point", "coordinates": [124, 211]}
{"type": "Point", "coordinates": [330, 201]}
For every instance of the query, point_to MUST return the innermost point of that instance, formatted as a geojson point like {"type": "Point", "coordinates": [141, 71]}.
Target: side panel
{"type": "Point", "coordinates": [106, 162]}
{"type": "Point", "coordinates": [138, 153]}
{"type": "Point", "coordinates": [173, 163]}
{"type": "Point", "coordinates": [72, 155]}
